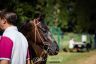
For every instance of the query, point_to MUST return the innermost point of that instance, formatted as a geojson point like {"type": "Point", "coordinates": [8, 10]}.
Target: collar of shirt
{"type": "Point", "coordinates": [10, 28]}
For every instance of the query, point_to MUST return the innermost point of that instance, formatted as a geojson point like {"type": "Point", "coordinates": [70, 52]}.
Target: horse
{"type": "Point", "coordinates": [40, 40]}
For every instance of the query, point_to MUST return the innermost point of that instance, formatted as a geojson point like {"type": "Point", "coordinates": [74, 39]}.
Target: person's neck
{"type": "Point", "coordinates": [8, 25]}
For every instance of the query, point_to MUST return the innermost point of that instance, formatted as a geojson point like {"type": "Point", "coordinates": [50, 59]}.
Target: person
{"type": "Point", "coordinates": [71, 44]}
{"type": "Point", "coordinates": [13, 44]}
{"type": "Point", "coordinates": [84, 38]}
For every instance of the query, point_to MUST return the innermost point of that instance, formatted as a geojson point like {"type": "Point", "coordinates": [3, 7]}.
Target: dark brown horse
{"type": "Point", "coordinates": [40, 40]}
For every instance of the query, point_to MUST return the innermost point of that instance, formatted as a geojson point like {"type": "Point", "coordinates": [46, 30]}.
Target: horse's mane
{"type": "Point", "coordinates": [26, 30]}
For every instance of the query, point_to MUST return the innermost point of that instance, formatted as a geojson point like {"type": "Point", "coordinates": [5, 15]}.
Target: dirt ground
{"type": "Point", "coordinates": [89, 60]}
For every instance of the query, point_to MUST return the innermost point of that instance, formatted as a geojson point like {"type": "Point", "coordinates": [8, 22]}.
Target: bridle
{"type": "Point", "coordinates": [36, 23]}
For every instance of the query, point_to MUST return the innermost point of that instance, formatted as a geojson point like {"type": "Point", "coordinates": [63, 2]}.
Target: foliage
{"type": "Point", "coordinates": [70, 15]}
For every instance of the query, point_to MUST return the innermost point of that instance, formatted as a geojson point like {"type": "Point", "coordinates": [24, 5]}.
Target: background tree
{"type": "Point", "coordinates": [71, 15]}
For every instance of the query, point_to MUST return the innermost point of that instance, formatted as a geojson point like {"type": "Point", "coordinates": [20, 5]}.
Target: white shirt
{"type": "Point", "coordinates": [84, 38]}
{"type": "Point", "coordinates": [71, 43]}
{"type": "Point", "coordinates": [20, 45]}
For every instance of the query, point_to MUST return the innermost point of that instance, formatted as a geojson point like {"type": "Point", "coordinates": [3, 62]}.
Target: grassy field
{"type": "Point", "coordinates": [69, 58]}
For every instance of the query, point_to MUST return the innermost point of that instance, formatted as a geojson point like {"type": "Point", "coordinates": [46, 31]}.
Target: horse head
{"type": "Point", "coordinates": [38, 33]}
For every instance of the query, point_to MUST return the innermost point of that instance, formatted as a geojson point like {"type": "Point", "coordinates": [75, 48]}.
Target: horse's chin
{"type": "Point", "coordinates": [51, 53]}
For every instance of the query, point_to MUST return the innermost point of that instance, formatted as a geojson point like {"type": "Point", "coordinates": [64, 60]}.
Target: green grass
{"type": "Point", "coordinates": [69, 58]}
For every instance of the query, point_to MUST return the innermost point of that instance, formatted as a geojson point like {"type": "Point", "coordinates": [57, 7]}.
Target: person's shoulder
{"type": "Point", "coordinates": [21, 35]}
{"type": "Point", "coordinates": [9, 33]}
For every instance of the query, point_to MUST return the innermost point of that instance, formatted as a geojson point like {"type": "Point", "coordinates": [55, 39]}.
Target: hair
{"type": "Point", "coordinates": [11, 17]}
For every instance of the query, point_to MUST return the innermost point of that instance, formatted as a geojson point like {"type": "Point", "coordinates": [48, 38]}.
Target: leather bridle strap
{"type": "Point", "coordinates": [36, 29]}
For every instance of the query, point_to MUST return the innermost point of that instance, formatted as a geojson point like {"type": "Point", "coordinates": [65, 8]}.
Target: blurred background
{"type": "Point", "coordinates": [66, 19]}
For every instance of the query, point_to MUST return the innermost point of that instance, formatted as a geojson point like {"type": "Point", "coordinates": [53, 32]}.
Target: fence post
{"type": "Point", "coordinates": [56, 33]}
